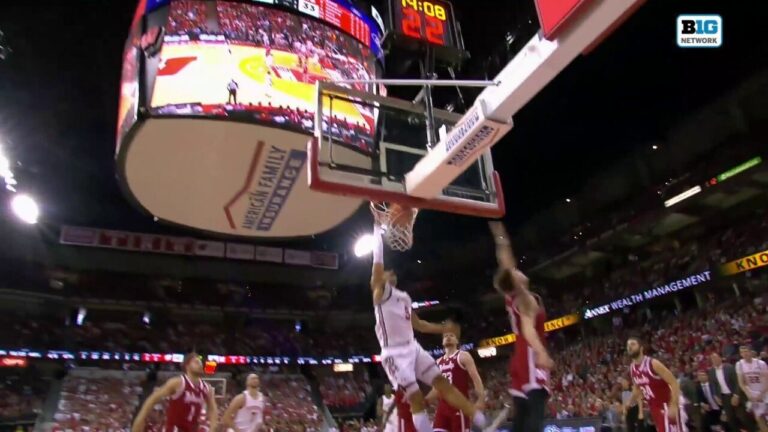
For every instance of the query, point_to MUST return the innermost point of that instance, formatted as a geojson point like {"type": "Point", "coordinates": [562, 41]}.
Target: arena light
{"type": "Point", "coordinates": [343, 367]}
{"type": "Point", "coordinates": [364, 245]}
{"type": "Point", "coordinates": [486, 352]}
{"type": "Point", "coordinates": [81, 313]}
{"type": "Point", "coordinates": [683, 196]}
{"type": "Point", "coordinates": [25, 208]}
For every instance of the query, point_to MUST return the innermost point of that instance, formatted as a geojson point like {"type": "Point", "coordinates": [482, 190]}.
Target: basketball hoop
{"type": "Point", "coordinates": [396, 222]}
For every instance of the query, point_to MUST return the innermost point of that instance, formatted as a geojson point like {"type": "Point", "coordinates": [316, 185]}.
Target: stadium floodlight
{"type": "Point", "coordinates": [5, 165]}
{"type": "Point", "coordinates": [25, 208]}
{"type": "Point", "coordinates": [364, 245]}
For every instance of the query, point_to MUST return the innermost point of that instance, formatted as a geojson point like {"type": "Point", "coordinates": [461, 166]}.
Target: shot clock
{"type": "Point", "coordinates": [421, 23]}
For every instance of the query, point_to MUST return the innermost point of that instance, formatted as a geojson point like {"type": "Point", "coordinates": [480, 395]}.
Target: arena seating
{"type": "Point", "coordinates": [87, 394]}
{"type": "Point", "coordinates": [21, 395]}
{"type": "Point", "coordinates": [344, 391]}
{"type": "Point", "coordinates": [187, 16]}
{"type": "Point", "coordinates": [585, 381]}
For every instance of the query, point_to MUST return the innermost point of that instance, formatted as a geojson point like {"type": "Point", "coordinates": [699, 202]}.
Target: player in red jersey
{"type": "Point", "coordinates": [187, 395]}
{"type": "Point", "coordinates": [529, 366]}
{"type": "Point", "coordinates": [658, 388]}
{"type": "Point", "coordinates": [401, 410]}
{"type": "Point", "coordinates": [459, 368]}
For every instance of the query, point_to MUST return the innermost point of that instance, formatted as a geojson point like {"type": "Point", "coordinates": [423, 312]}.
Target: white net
{"type": "Point", "coordinates": [397, 224]}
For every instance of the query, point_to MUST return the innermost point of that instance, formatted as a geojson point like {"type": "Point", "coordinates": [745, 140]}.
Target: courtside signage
{"type": "Point", "coordinates": [699, 31]}
{"type": "Point", "coordinates": [746, 263]}
{"type": "Point", "coordinates": [552, 325]}
{"type": "Point", "coordinates": [650, 294]}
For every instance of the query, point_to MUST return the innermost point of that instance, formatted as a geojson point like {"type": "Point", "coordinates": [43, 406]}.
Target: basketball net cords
{"type": "Point", "coordinates": [398, 237]}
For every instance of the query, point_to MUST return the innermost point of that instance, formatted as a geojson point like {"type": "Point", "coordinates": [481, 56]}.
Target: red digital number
{"type": "Point", "coordinates": [435, 31]}
{"type": "Point", "coordinates": [411, 23]}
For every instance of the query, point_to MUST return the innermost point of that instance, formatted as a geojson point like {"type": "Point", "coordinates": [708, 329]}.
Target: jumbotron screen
{"type": "Point", "coordinates": [250, 62]}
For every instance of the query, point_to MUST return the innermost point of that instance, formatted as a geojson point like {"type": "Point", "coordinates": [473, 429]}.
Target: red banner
{"type": "Point", "coordinates": [155, 243]}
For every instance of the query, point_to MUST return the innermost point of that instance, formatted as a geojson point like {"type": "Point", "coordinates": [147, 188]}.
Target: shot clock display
{"type": "Point", "coordinates": [430, 21]}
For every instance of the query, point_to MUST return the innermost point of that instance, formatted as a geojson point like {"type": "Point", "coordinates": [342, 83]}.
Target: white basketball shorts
{"type": "Point", "coordinates": [407, 364]}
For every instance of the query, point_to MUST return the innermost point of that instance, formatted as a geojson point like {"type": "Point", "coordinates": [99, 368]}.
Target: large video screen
{"type": "Point", "coordinates": [250, 62]}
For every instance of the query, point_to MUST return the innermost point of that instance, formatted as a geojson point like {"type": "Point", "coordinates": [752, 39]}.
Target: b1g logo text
{"type": "Point", "coordinates": [699, 31]}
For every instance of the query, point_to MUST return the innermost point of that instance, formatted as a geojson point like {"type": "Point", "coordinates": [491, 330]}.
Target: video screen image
{"type": "Point", "coordinates": [259, 64]}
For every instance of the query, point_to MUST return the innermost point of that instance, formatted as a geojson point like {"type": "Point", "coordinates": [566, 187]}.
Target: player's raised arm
{"type": "Point", "coordinates": [213, 410]}
{"type": "Point", "coordinates": [169, 388]}
{"type": "Point", "coordinates": [238, 402]}
{"type": "Point", "coordinates": [422, 326]}
{"type": "Point", "coordinates": [378, 275]}
{"type": "Point", "coordinates": [466, 360]}
{"type": "Point", "coordinates": [674, 386]}
{"type": "Point", "coordinates": [505, 256]}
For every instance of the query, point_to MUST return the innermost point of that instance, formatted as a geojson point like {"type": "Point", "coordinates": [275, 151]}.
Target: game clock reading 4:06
{"type": "Point", "coordinates": [428, 20]}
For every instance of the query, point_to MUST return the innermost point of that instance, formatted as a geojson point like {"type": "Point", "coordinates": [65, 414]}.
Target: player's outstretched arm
{"type": "Point", "coordinates": [378, 277]}
{"type": "Point", "coordinates": [674, 399]}
{"type": "Point", "coordinates": [422, 326]}
{"type": "Point", "coordinates": [213, 410]}
{"type": "Point", "coordinates": [468, 362]}
{"type": "Point", "coordinates": [238, 402]}
{"type": "Point", "coordinates": [505, 256]}
{"type": "Point", "coordinates": [764, 380]}
{"type": "Point", "coordinates": [169, 388]}
{"type": "Point", "coordinates": [431, 396]}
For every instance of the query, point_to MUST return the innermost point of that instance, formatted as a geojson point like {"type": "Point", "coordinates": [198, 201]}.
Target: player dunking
{"type": "Point", "coordinates": [658, 388]}
{"type": "Point", "coordinates": [246, 411]}
{"type": "Point", "coordinates": [458, 367]}
{"type": "Point", "coordinates": [530, 365]}
{"type": "Point", "coordinates": [187, 395]}
{"type": "Point", "coordinates": [404, 360]}
{"type": "Point", "coordinates": [753, 380]}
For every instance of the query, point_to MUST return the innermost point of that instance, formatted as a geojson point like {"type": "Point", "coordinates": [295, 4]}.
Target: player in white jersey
{"type": "Point", "coordinates": [404, 360]}
{"type": "Point", "coordinates": [386, 408]}
{"type": "Point", "coordinates": [247, 408]}
{"type": "Point", "coordinates": [753, 380]}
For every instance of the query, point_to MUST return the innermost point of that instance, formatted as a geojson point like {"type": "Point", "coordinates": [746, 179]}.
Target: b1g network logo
{"type": "Point", "coordinates": [699, 31]}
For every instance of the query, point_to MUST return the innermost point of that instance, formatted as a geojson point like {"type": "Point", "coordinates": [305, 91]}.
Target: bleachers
{"type": "Point", "coordinates": [21, 395]}
{"type": "Point", "coordinates": [88, 394]}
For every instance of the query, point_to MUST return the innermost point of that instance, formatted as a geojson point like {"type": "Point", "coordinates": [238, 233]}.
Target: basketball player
{"type": "Point", "coordinates": [247, 408]}
{"type": "Point", "coordinates": [398, 414]}
{"type": "Point", "coordinates": [659, 388]}
{"type": "Point", "coordinates": [187, 395]}
{"type": "Point", "coordinates": [458, 367]}
{"type": "Point", "coordinates": [386, 407]}
{"type": "Point", "coordinates": [404, 360]}
{"type": "Point", "coordinates": [530, 365]}
{"type": "Point", "coordinates": [753, 380]}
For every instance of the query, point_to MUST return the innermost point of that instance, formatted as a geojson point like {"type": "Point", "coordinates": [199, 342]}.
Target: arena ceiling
{"type": "Point", "coordinates": [58, 101]}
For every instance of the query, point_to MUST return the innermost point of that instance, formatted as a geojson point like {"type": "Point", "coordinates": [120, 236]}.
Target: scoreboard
{"type": "Point", "coordinates": [420, 25]}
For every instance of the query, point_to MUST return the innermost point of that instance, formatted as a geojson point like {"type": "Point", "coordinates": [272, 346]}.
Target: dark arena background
{"type": "Point", "coordinates": [187, 180]}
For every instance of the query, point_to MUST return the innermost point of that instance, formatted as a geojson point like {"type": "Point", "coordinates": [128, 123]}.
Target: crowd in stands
{"type": "Point", "coordinates": [21, 395]}
{"type": "Point", "coordinates": [345, 391]}
{"type": "Point", "coordinates": [187, 16]}
{"type": "Point", "coordinates": [586, 381]}
{"type": "Point", "coordinates": [104, 401]}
